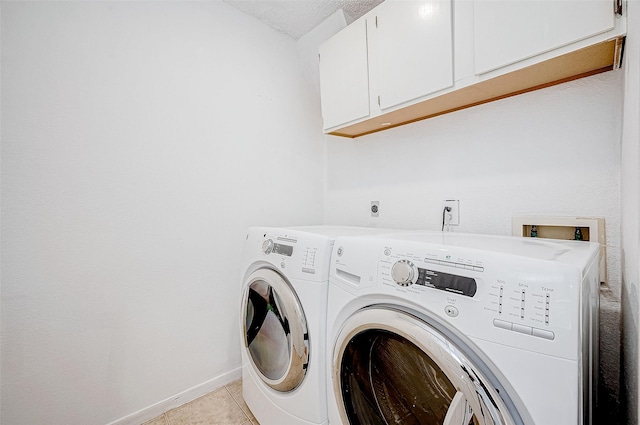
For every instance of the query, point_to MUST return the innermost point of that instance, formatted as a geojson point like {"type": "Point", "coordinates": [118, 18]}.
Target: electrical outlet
{"type": "Point", "coordinates": [452, 217]}
{"type": "Point", "coordinates": [375, 208]}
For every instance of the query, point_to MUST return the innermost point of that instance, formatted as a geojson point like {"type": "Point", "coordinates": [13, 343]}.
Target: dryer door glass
{"type": "Point", "coordinates": [391, 367]}
{"type": "Point", "coordinates": [275, 331]}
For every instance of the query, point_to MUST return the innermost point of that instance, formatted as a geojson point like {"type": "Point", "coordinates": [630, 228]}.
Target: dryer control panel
{"type": "Point", "coordinates": [298, 254]}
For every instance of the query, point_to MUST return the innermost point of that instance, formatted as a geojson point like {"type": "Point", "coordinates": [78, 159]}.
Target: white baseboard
{"type": "Point", "coordinates": [190, 394]}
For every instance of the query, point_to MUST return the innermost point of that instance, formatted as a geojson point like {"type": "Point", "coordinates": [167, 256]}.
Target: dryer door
{"type": "Point", "coordinates": [275, 330]}
{"type": "Point", "coordinates": [391, 367]}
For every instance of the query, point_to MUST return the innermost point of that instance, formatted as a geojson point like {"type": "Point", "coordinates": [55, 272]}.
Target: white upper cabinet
{"type": "Point", "coordinates": [344, 78]}
{"type": "Point", "coordinates": [400, 52]}
{"type": "Point", "coordinates": [413, 49]}
{"type": "Point", "coordinates": [508, 31]}
{"type": "Point", "coordinates": [408, 60]}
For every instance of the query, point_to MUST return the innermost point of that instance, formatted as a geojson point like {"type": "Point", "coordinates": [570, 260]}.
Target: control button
{"type": "Point", "coordinates": [478, 269]}
{"type": "Point", "coordinates": [267, 246]}
{"type": "Point", "coordinates": [451, 311]}
{"type": "Point", "coordinates": [541, 333]}
{"type": "Point", "coordinates": [404, 273]}
{"type": "Point", "coordinates": [308, 270]}
{"type": "Point", "coordinates": [387, 252]}
{"type": "Point", "coordinates": [522, 329]}
{"type": "Point", "coordinates": [502, 324]}
{"type": "Point", "coordinates": [340, 251]}
{"type": "Point", "coordinates": [282, 264]}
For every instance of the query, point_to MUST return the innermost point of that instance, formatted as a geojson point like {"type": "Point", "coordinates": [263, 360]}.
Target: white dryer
{"type": "Point", "coordinates": [283, 321]}
{"type": "Point", "coordinates": [448, 328]}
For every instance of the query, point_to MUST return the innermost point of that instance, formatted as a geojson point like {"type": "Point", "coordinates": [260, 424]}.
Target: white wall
{"type": "Point", "coordinates": [631, 214]}
{"type": "Point", "coordinates": [139, 140]}
{"type": "Point", "coordinates": [550, 152]}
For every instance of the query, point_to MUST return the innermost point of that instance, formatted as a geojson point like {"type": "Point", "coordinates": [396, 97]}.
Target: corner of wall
{"type": "Point", "coordinates": [630, 196]}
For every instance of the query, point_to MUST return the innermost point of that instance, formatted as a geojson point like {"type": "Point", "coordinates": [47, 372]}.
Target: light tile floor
{"type": "Point", "coordinates": [223, 406]}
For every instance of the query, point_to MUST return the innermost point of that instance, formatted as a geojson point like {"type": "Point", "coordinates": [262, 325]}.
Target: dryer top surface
{"type": "Point", "coordinates": [332, 232]}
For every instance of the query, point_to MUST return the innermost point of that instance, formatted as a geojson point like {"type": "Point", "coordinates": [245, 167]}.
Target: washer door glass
{"type": "Point", "coordinates": [275, 330]}
{"type": "Point", "coordinates": [387, 379]}
{"type": "Point", "coordinates": [390, 367]}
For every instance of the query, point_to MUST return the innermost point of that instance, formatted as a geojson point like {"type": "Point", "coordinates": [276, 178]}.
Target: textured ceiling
{"type": "Point", "coordinates": [295, 18]}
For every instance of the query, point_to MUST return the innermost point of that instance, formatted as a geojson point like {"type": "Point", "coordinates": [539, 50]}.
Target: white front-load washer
{"type": "Point", "coordinates": [447, 328]}
{"type": "Point", "coordinates": [283, 321]}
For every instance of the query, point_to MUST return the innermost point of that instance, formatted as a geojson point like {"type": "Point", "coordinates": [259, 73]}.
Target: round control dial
{"type": "Point", "coordinates": [267, 246]}
{"type": "Point", "coordinates": [404, 273]}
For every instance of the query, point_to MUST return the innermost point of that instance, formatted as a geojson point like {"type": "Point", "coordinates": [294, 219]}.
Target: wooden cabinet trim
{"type": "Point", "coordinates": [591, 60]}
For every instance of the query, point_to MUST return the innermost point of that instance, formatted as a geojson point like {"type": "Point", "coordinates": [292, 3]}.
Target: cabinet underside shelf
{"type": "Point", "coordinates": [581, 63]}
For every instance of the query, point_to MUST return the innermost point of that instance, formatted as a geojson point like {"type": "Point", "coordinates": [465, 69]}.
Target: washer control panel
{"type": "Point", "coordinates": [404, 272]}
{"type": "Point", "coordinates": [485, 294]}
{"type": "Point", "coordinates": [529, 306]}
{"type": "Point", "coordinates": [461, 285]}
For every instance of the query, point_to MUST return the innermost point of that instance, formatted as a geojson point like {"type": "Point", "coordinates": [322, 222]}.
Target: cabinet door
{"type": "Point", "coordinates": [414, 49]}
{"type": "Point", "coordinates": [344, 77]}
{"type": "Point", "coordinates": [507, 31]}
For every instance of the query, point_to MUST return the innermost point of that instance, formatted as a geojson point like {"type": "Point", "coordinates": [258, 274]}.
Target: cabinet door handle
{"type": "Point", "coordinates": [617, 7]}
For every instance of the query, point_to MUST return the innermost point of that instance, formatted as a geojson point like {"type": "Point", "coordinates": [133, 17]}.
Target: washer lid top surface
{"type": "Point", "coordinates": [542, 249]}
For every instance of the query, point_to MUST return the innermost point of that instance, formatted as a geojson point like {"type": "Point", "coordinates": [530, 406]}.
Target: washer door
{"type": "Point", "coordinates": [275, 330]}
{"type": "Point", "coordinates": [391, 367]}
